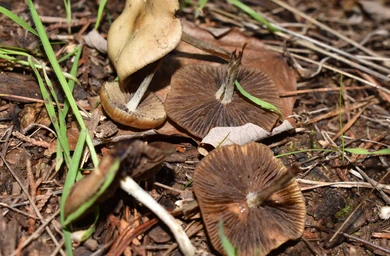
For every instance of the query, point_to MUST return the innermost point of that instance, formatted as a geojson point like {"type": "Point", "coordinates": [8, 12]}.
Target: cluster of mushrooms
{"type": "Point", "coordinates": [243, 188]}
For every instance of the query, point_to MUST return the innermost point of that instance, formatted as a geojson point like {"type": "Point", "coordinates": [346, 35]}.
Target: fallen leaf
{"type": "Point", "coordinates": [223, 136]}
{"type": "Point", "coordinates": [376, 9]}
{"type": "Point", "coordinates": [94, 40]}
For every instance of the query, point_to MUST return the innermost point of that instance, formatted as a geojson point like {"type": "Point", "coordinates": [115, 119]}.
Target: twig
{"type": "Point", "coordinates": [367, 243]}
{"type": "Point", "coordinates": [38, 231]}
{"type": "Point", "coordinates": [131, 187]}
{"type": "Point", "coordinates": [306, 91]}
{"type": "Point", "coordinates": [308, 42]}
{"type": "Point", "coordinates": [324, 27]}
{"type": "Point", "coordinates": [30, 140]}
{"type": "Point", "coordinates": [334, 69]}
{"type": "Point", "coordinates": [349, 124]}
{"type": "Point", "coordinates": [337, 112]}
{"type": "Point", "coordinates": [17, 210]}
{"type": "Point", "coordinates": [344, 184]}
{"type": "Point", "coordinates": [31, 203]}
{"type": "Point", "coordinates": [359, 205]}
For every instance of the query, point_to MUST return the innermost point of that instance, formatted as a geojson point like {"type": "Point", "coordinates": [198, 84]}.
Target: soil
{"type": "Point", "coordinates": [336, 189]}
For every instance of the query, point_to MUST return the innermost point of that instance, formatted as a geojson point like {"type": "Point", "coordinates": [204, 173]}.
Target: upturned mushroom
{"type": "Point", "coordinates": [203, 97]}
{"type": "Point", "coordinates": [132, 159]}
{"type": "Point", "coordinates": [144, 33]}
{"type": "Point", "coordinates": [253, 195]}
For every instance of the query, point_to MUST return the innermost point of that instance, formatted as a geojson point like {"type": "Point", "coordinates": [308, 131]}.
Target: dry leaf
{"type": "Point", "coordinates": [376, 9]}
{"type": "Point", "coordinates": [94, 40]}
{"type": "Point", "coordinates": [223, 136]}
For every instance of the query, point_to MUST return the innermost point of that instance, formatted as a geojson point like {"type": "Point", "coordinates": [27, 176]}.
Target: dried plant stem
{"type": "Point", "coordinates": [207, 47]}
{"type": "Point", "coordinates": [17, 210]}
{"type": "Point", "coordinates": [32, 203]}
{"type": "Point", "coordinates": [334, 69]}
{"type": "Point", "coordinates": [324, 27]}
{"type": "Point", "coordinates": [309, 43]}
{"type": "Point", "coordinates": [131, 187]}
{"type": "Point", "coordinates": [37, 233]}
{"type": "Point", "coordinates": [337, 90]}
{"type": "Point", "coordinates": [345, 184]}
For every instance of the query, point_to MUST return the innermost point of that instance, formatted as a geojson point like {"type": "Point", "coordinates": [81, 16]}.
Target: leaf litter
{"type": "Point", "coordinates": [328, 180]}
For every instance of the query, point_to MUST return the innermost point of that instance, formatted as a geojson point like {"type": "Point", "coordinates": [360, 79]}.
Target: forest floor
{"type": "Point", "coordinates": [339, 97]}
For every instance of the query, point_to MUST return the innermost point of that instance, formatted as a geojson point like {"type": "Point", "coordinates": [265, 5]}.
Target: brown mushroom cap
{"type": "Point", "coordinates": [145, 32]}
{"type": "Point", "coordinates": [153, 154]}
{"type": "Point", "coordinates": [149, 114]}
{"type": "Point", "coordinates": [137, 159]}
{"type": "Point", "coordinates": [222, 182]}
{"type": "Point", "coordinates": [193, 105]}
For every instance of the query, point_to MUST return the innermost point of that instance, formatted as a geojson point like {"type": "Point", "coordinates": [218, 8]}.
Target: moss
{"type": "Point", "coordinates": [343, 213]}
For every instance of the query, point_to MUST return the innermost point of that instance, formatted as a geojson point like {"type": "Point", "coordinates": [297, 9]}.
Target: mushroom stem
{"type": "Point", "coordinates": [256, 198]}
{"type": "Point", "coordinates": [227, 87]}
{"type": "Point", "coordinates": [131, 187]}
{"type": "Point", "coordinates": [139, 94]}
{"type": "Point", "coordinates": [206, 47]}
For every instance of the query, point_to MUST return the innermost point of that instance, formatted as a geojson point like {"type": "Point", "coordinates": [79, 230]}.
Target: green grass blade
{"type": "Point", "coordinates": [88, 204]}
{"type": "Point", "coordinates": [68, 10]}
{"type": "Point", "coordinates": [60, 76]}
{"type": "Point", "coordinates": [61, 116]}
{"type": "Point", "coordinates": [227, 246]}
{"type": "Point", "coordinates": [363, 151]}
{"type": "Point", "coordinates": [70, 180]}
{"type": "Point", "coordinates": [62, 139]}
{"type": "Point", "coordinates": [74, 166]}
{"type": "Point", "coordinates": [73, 72]}
{"type": "Point", "coordinates": [59, 157]}
{"type": "Point", "coordinates": [68, 55]}
{"type": "Point", "coordinates": [18, 20]}
{"type": "Point", "coordinates": [253, 14]}
{"type": "Point", "coordinates": [263, 104]}
{"type": "Point", "coordinates": [102, 5]}
{"type": "Point", "coordinates": [202, 3]}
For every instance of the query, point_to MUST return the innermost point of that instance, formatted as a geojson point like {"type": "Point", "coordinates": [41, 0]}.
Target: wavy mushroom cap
{"type": "Point", "coordinates": [137, 159]}
{"type": "Point", "coordinates": [149, 114]}
{"type": "Point", "coordinates": [223, 184]}
{"type": "Point", "coordinates": [145, 31]}
{"type": "Point", "coordinates": [193, 105]}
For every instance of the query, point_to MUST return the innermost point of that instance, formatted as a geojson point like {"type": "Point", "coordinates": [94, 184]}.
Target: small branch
{"type": "Point", "coordinates": [131, 187]}
{"type": "Point", "coordinates": [206, 47]}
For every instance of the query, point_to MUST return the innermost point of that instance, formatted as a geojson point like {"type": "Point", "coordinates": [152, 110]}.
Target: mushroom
{"type": "Point", "coordinates": [144, 33]}
{"type": "Point", "coordinates": [253, 195]}
{"type": "Point", "coordinates": [150, 112]}
{"type": "Point", "coordinates": [203, 97]}
{"type": "Point", "coordinates": [137, 160]}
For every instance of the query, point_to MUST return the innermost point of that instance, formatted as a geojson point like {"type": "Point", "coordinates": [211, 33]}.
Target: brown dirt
{"type": "Point", "coordinates": [29, 153]}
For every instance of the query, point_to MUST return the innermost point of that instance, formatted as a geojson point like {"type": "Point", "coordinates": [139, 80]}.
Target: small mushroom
{"type": "Point", "coordinates": [150, 112]}
{"type": "Point", "coordinates": [144, 33]}
{"type": "Point", "coordinates": [203, 97]}
{"type": "Point", "coordinates": [137, 159]}
{"type": "Point", "coordinates": [253, 195]}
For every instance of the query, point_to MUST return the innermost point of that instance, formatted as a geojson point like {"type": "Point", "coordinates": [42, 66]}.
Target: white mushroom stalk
{"type": "Point", "coordinates": [254, 199]}
{"type": "Point", "coordinates": [132, 188]}
{"type": "Point", "coordinates": [226, 91]}
{"type": "Point", "coordinates": [139, 94]}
